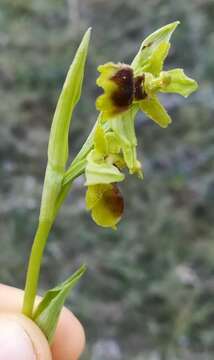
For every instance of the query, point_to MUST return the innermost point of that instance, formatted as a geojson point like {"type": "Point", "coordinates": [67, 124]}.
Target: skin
{"type": "Point", "coordinates": [69, 339]}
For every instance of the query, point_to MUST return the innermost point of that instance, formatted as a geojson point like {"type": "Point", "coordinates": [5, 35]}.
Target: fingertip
{"type": "Point", "coordinates": [69, 339]}
{"type": "Point", "coordinates": [21, 339]}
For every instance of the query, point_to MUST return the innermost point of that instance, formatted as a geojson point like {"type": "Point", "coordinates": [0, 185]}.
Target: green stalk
{"type": "Point", "coordinates": [34, 267]}
{"type": "Point", "coordinates": [58, 151]}
{"type": "Point", "coordinates": [54, 202]}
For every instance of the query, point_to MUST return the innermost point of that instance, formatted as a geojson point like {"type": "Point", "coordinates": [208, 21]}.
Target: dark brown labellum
{"type": "Point", "coordinates": [114, 201]}
{"type": "Point", "coordinates": [128, 89]}
{"type": "Point", "coordinates": [139, 92]}
{"type": "Point", "coordinates": [123, 96]}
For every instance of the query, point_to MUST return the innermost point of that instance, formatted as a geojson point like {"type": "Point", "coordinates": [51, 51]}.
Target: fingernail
{"type": "Point", "coordinates": [15, 342]}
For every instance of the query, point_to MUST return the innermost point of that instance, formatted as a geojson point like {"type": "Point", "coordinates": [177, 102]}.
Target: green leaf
{"type": "Point", "coordinates": [58, 143]}
{"type": "Point", "coordinates": [152, 45]}
{"type": "Point", "coordinates": [179, 83]}
{"type": "Point", "coordinates": [47, 312]}
{"type": "Point", "coordinates": [155, 111]}
{"type": "Point", "coordinates": [58, 140]}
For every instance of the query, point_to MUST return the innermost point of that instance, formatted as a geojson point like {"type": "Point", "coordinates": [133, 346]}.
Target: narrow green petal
{"type": "Point", "coordinates": [155, 111]}
{"type": "Point", "coordinates": [102, 173]}
{"type": "Point", "coordinates": [151, 44]}
{"type": "Point", "coordinates": [179, 83]}
{"type": "Point", "coordinates": [58, 143]}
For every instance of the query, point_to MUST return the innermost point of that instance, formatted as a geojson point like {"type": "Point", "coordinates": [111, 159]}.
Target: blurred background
{"type": "Point", "coordinates": [149, 290]}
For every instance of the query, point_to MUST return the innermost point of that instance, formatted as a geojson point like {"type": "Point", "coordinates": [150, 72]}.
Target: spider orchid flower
{"type": "Point", "coordinates": [126, 86]}
{"type": "Point", "coordinates": [130, 88]}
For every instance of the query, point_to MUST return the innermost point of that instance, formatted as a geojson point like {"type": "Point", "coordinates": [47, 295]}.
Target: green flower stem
{"type": "Point", "coordinates": [55, 201]}
{"type": "Point", "coordinates": [58, 152]}
{"type": "Point", "coordinates": [76, 169]}
{"type": "Point", "coordinates": [34, 267]}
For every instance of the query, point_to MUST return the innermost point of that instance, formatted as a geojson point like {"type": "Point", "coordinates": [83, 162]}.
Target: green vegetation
{"type": "Point", "coordinates": [149, 286]}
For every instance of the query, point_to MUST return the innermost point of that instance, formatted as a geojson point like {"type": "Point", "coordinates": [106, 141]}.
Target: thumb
{"type": "Point", "coordinates": [21, 339]}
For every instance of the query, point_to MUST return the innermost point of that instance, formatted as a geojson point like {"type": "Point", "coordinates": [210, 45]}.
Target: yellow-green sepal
{"type": "Point", "coordinates": [179, 83]}
{"type": "Point", "coordinates": [155, 111]}
{"type": "Point", "coordinates": [124, 127]}
{"type": "Point", "coordinates": [155, 45]}
{"type": "Point", "coordinates": [100, 141]}
{"type": "Point", "coordinates": [157, 58]}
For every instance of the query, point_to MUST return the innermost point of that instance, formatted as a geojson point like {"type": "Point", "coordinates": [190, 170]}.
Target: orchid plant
{"type": "Point", "coordinates": [110, 149]}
